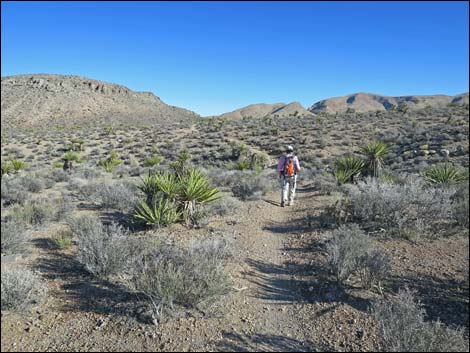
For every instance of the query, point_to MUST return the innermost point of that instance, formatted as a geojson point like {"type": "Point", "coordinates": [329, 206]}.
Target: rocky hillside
{"type": "Point", "coordinates": [36, 100]}
{"type": "Point", "coordinates": [277, 110]}
{"type": "Point", "coordinates": [363, 102]}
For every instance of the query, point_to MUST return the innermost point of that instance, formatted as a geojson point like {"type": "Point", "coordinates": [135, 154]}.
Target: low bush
{"type": "Point", "coordinates": [350, 251]}
{"type": "Point", "coordinates": [250, 186]}
{"type": "Point", "coordinates": [403, 329]}
{"type": "Point", "coordinates": [461, 205]}
{"type": "Point", "coordinates": [21, 289]}
{"type": "Point", "coordinates": [34, 212]}
{"type": "Point", "coordinates": [62, 239]}
{"type": "Point", "coordinates": [120, 196]}
{"type": "Point", "coordinates": [225, 206]}
{"type": "Point", "coordinates": [13, 191]}
{"type": "Point", "coordinates": [402, 209]}
{"type": "Point", "coordinates": [192, 278]}
{"type": "Point", "coordinates": [104, 250]}
{"type": "Point", "coordinates": [13, 238]}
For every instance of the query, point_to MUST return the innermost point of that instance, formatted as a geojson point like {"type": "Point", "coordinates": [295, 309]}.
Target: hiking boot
{"type": "Point", "coordinates": [282, 204]}
{"type": "Point", "coordinates": [291, 203]}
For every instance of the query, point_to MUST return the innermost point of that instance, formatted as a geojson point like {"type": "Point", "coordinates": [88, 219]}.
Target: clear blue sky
{"type": "Point", "coordinates": [214, 57]}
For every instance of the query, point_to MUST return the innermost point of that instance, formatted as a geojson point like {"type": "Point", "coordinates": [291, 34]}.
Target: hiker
{"type": "Point", "coordinates": [287, 169]}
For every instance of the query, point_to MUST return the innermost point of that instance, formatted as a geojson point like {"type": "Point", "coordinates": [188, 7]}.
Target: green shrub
{"type": "Point", "coordinates": [62, 240]}
{"type": "Point", "coordinates": [152, 161]}
{"type": "Point", "coordinates": [7, 167]}
{"type": "Point", "coordinates": [445, 174]}
{"type": "Point", "coordinates": [375, 154]}
{"type": "Point", "coordinates": [18, 165]}
{"type": "Point", "coordinates": [347, 168]}
{"type": "Point", "coordinates": [71, 156]}
{"type": "Point", "coordinates": [160, 213]}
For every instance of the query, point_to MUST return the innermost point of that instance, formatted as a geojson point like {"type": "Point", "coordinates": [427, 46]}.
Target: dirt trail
{"type": "Point", "coordinates": [272, 295]}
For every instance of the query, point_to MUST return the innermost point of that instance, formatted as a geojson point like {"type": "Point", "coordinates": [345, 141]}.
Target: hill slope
{"type": "Point", "coordinates": [363, 102]}
{"type": "Point", "coordinates": [33, 100]}
{"type": "Point", "coordinates": [268, 110]}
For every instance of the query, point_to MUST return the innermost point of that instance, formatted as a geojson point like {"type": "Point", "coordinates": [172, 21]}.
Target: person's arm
{"type": "Point", "coordinates": [297, 164]}
{"type": "Point", "coordinates": [280, 166]}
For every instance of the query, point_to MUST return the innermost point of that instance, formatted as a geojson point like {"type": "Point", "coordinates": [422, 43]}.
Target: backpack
{"type": "Point", "coordinates": [289, 168]}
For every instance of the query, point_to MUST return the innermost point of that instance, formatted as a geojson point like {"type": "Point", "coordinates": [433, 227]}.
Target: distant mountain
{"type": "Point", "coordinates": [35, 100]}
{"type": "Point", "coordinates": [362, 102]}
{"type": "Point", "coordinates": [268, 110]}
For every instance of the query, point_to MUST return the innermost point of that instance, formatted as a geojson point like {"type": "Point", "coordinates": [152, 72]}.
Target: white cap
{"type": "Point", "coordinates": [289, 148]}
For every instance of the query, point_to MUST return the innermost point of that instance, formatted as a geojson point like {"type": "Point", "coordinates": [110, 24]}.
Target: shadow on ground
{"type": "Point", "coordinates": [443, 299]}
{"type": "Point", "coordinates": [80, 291]}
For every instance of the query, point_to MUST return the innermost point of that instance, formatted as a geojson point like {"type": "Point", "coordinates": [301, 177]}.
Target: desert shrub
{"type": "Point", "coordinates": [191, 278]}
{"type": "Point", "coordinates": [403, 329]}
{"type": "Point", "coordinates": [13, 191]}
{"type": "Point", "coordinates": [223, 177]}
{"type": "Point", "coordinates": [34, 212]}
{"type": "Point", "coordinates": [65, 207]}
{"type": "Point", "coordinates": [461, 205]}
{"type": "Point", "coordinates": [225, 206]}
{"type": "Point", "coordinates": [375, 266]}
{"type": "Point", "coordinates": [87, 172]}
{"type": "Point", "coordinates": [62, 239]}
{"type": "Point", "coordinates": [250, 186]}
{"type": "Point", "coordinates": [326, 183]}
{"type": "Point", "coordinates": [405, 209]}
{"type": "Point", "coordinates": [13, 237]}
{"type": "Point", "coordinates": [104, 250]}
{"type": "Point", "coordinates": [33, 183]}
{"type": "Point", "coordinates": [85, 190]}
{"type": "Point", "coordinates": [59, 175]}
{"type": "Point", "coordinates": [21, 289]}
{"type": "Point", "coordinates": [119, 196]}
{"type": "Point", "coordinates": [346, 248]}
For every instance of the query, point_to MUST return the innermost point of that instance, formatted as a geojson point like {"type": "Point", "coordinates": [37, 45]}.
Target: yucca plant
{"type": "Point", "coordinates": [159, 213]}
{"type": "Point", "coordinates": [375, 154]}
{"type": "Point", "coordinates": [77, 144]}
{"type": "Point", "coordinates": [445, 174]}
{"type": "Point", "coordinates": [181, 165]}
{"type": "Point", "coordinates": [196, 189]}
{"type": "Point", "coordinates": [343, 176]}
{"type": "Point", "coordinates": [243, 164]}
{"type": "Point", "coordinates": [112, 162]}
{"type": "Point", "coordinates": [71, 156]}
{"type": "Point", "coordinates": [18, 165]}
{"type": "Point", "coordinates": [152, 161]}
{"type": "Point", "coordinates": [347, 167]}
{"type": "Point", "coordinates": [7, 167]}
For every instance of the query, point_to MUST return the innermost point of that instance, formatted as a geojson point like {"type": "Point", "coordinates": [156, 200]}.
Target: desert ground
{"type": "Point", "coordinates": [346, 268]}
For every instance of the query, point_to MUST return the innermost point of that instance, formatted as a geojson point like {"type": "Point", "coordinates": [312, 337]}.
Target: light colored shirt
{"type": "Point", "coordinates": [282, 160]}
